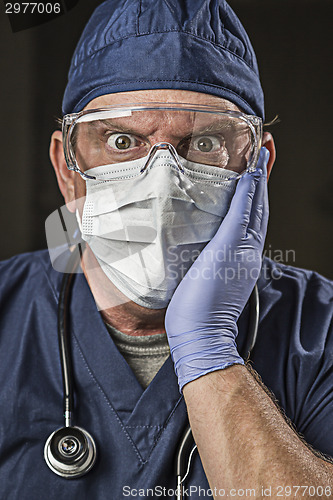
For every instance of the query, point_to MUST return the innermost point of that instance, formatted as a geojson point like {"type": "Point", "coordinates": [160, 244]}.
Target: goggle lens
{"type": "Point", "coordinates": [109, 137]}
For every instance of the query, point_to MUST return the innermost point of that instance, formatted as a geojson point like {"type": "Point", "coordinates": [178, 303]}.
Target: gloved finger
{"type": "Point", "coordinates": [240, 208]}
{"type": "Point", "coordinates": [259, 208]}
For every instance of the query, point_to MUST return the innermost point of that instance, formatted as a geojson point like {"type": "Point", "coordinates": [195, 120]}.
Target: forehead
{"type": "Point", "coordinates": [162, 95]}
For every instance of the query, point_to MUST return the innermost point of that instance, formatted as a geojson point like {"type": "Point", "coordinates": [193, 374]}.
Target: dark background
{"type": "Point", "coordinates": [293, 41]}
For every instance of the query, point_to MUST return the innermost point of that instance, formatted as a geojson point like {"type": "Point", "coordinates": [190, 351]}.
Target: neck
{"type": "Point", "coordinates": [115, 308]}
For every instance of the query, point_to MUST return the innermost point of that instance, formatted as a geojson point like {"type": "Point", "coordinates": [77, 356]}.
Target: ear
{"type": "Point", "coordinates": [269, 144]}
{"type": "Point", "coordinates": [65, 177]}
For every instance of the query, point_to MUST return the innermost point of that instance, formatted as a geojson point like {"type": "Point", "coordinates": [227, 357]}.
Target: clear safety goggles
{"type": "Point", "coordinates": [195, 134]}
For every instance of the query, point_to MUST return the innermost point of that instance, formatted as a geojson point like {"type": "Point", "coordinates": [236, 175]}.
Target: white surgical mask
{"type": "Point", "coordinates": [146, 230]}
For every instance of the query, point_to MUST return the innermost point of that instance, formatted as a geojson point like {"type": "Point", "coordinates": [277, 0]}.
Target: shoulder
{"type": "Point", "coordinates": [276, 271]}
{"type": "Point", "coordinates": [298, 305]}
{"type": "Point", "coordinates": [28, 273]}
{"type": "Point", "coordinates": [296, 327]}
{"type": "Point", "coordinates": [297, 348]}
{"type": "Point", "coordinates": [292, 285]}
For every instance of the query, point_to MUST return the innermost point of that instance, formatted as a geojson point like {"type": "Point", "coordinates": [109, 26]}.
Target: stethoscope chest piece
{"type": "Point", "coordinates": [70, 452]}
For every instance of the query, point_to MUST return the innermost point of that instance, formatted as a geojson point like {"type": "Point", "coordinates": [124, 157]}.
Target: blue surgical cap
{"type": "Point", "coordinates": [197, 45]}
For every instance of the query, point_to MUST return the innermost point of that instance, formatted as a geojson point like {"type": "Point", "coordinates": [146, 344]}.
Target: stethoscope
{"type": "Point", "coordinates": [70, 451]}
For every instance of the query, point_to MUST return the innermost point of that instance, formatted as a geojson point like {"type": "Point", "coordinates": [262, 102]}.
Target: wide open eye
{"type": "Point", "coordinates": [206, 143]}
{"type": "Point", "coordinates": [121, 141]}
{"type": "Point", "coordinates": [206, 149]}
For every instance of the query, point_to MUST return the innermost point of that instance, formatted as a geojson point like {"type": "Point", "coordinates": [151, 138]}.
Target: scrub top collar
{"type": "Point", "coordinates": [142, 414]}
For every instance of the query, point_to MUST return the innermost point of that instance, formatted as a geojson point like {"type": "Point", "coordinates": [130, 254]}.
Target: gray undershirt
{"type": "Point", "coordinates": [145, 354]}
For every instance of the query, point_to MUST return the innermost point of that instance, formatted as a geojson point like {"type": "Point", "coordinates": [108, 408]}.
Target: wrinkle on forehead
{"type": "Point", "coordinates": [147, 123]}
{"type": "Point", "coordinates": [163, 124]}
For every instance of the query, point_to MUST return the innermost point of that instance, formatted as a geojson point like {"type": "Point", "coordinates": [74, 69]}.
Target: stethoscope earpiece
{"type": "Point", "coordinates": [70, 452]}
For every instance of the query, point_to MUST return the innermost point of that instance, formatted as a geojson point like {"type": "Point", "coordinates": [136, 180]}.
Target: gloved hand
{"type": "Point", "coordinates": [201, 317]}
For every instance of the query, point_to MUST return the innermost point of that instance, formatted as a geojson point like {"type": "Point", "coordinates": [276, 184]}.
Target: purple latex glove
{"type": "Point", "coordinates": [202, 315]}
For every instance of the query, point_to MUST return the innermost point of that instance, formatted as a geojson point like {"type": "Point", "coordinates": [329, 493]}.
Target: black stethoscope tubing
{"type": "Point", "coordinates": [70, 451]}
{"type": "Point", "coordinates": [58, 451]}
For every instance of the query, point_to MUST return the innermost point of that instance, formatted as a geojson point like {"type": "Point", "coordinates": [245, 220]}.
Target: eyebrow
{"type": "Point", "coordinates": [226, 124]}
{"type": "Point", "coordinates": [118, 127]}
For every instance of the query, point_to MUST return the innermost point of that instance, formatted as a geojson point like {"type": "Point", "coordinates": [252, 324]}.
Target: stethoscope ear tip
{"type": "Point", "coordinates": [70, 452]}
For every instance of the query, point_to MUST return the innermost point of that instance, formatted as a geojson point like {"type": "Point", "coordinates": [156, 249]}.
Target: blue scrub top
{"type": "Point", "coordinates": [137, 431]}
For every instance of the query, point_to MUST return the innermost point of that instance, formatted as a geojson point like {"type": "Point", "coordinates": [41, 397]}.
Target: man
{"type": "Point", "coordinates": [171, 200]}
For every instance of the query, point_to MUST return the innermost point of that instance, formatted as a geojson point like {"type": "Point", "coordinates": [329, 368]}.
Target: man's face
{"type": "Point", "coordinates": [71, 184]}
{"type": "Point", "coordinates": [166, 127]}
